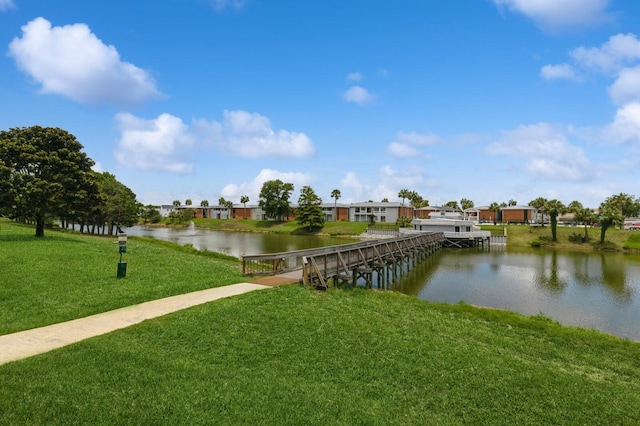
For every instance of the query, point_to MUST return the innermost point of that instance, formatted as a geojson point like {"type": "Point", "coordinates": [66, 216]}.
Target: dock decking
{"type": "Point", "coordinates": [382, 259]}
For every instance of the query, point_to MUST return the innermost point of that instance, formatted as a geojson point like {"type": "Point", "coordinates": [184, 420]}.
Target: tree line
{"type": "Point", "coordinates": [45, 176]}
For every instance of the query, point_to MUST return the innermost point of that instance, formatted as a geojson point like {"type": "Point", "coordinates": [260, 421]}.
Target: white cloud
{"type": "Point", "coordinates": [548, 152]}
{"type": "Point", "coordinates": [619, 51]}
{"type": "Point", "coordinates": [350, 184]}
{"type": "Point", "coordinates": [6, 4]}
{"type": "Point", "coordinates": [358, 95]}
{"type": "Point", "coordinates": [250, 135]}
{"type": "Point", "coordinates": [405, 144]}
{"type": "Point", "coordinates": [164, 143]}
{"type": "Point", "coordinates": [222, 5]}
{"type": "Point", "coordinates": [555, 72]}
{"type": "Point", "coordinates": [617, 57]}
{"type": "Point", "coordinates": [71, 61]}
{"type": "Point", "coordinates": [354, 76]}
{"type": "Point", "coordinates": [556, 14]}
{"type": "Point", "coordinates": [402, 150]}
{"type": "Point", "coordinates": [252, 189]}
{"type": "Point", "coordinates": [159, 144]}
{"type": "Point", "coordinates": [626, 88]}
{"type": "Point", "coordinates": [626, 125]}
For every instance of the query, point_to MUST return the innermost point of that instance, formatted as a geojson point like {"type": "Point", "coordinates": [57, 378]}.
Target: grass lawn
{"type": "Point", "coordinates": [65, 276]}
{"type": "Point", "coordinates": [525, 235]}
{"type": "Point", "coordinates": [286, 227]}
{"type": "Point", "coordinates": [295, 356]}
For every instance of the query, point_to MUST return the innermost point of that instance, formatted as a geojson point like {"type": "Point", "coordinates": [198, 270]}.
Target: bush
{"type": "Point", "coordinates": [576, 237]}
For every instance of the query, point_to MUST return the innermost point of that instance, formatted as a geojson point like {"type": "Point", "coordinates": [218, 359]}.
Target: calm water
{"type": "Point", "coordinates": [591, 290]}
{"type": "Point", "coordinates": [235, 243]}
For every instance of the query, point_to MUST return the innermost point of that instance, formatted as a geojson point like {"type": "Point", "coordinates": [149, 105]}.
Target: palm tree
{"type": "Point", "coordinates": [574, 206]}
{"type": "Point", "coordinates": [244, 200]}
{"type": "Point", "coordinates": [539, 204]}
{"type": "Point", "coordinates": [466, 204]}
{"type": "Point", "coordinates": [176, 203]}
{"type": "Point", "coordinates": [404, 193]}
{"type": "Point", "coordinates": [495, 208]}
{"type": "Point", "coordinates": [512, 202]}
{"type": "Point", "coordinates": [188, 202]}
{"type": "Point", "coordinates": [554, 208]}
{"type": "Point", "coordinates": [204, 203]}
{"type": "Point", "coordinates": [586, 216]}
{"type": "Point", "coordinates": [609, 215]}
{"type": "Point", "coordinates": [335, 194]}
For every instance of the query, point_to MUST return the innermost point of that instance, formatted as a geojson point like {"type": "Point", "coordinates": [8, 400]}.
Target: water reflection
{"type": "Point", "coordinates": [235, 243]}
{"type": "Point", "coordinates": [594, 290]}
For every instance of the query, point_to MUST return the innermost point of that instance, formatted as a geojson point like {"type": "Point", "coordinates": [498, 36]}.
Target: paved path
{"type": "Point", "coordinates": [40, 340]}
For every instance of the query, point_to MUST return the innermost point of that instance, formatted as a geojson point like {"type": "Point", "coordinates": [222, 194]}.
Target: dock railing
{"type": "Point", "coordinates": [277, 263]}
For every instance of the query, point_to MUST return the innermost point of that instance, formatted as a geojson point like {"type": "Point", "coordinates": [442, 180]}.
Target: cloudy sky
{"type": "Point", "coordinates": [489, 100]}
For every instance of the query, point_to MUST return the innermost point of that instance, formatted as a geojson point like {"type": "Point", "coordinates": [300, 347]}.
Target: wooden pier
{"type": "Point", "coordinates": [380, 261]}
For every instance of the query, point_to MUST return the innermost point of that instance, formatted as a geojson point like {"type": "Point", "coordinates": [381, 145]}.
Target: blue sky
{"type": "Point", "coordinates": [489, 100]}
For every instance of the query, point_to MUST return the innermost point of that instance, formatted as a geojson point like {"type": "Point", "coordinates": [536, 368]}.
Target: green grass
{"type": "Point", "coordinates": [295, 356]}
{"type": "Point", "coordinates": [286, 227]}
{"type": "Point", "coordinates": [527, 236]}
{"type": "Point", "coordinates": [633, 242]}
{"type": "Point", "coordinates": [65, 276]}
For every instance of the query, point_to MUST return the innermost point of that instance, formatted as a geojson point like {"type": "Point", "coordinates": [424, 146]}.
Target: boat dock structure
{"type": "Point", "coordinates": [371, 262]}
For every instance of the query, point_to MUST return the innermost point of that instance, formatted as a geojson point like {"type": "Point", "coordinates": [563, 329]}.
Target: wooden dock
{"type": "Point", "coordinates": [364, 262]}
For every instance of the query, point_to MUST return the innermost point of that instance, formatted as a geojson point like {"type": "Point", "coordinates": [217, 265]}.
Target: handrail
{"type": "Point", "coordinates": [274, 263]}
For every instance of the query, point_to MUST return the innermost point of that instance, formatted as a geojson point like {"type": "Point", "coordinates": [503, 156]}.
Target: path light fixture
{"type": "Point", "coordinates": [122, 248]}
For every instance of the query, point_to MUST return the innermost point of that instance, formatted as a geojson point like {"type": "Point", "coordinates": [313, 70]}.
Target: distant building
{"type": "Point", "coordinates": [519, 214]}
{"type": "Point", "coordinates": [378, 212]}
{"type": "Point", "coordinates": [335, 212]}
{"type": "Point", "coordinates": [166, 209]}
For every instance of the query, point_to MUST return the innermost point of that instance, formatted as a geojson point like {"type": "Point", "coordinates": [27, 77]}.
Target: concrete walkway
{"type": "Point", "coordinates": [40, 340]}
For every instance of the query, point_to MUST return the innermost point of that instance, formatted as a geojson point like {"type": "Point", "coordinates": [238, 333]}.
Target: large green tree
{"type": "Point", "coordinates": [416, 200]}
{"type": "Point", "coordinates": [466, 204]}
{"type": "Point", "coordinates": [44, 174]}
{"type": "Point", "coordinates": [554, 208]}
{"type": "Point", "coordinates": [309, 212]}
{"type": "Point", "coordinates": [539, 204]}
{"type": "Point", "coordinates": [586, 216]}
{"type": "Point", "coordinates": [627, 205]}
{"type": "Point", "coordinates": [404, 194]}
{"type": "Point", "coordinates": [274, 198]}
{"type": "Point", "coordinates": [118, 205]}
{"type": "Point", "coordinates": [452, 204]}
{"type": "Point", "coordinates": [150, 214]}
{"type": "Point", "coordinates": [609, 215]}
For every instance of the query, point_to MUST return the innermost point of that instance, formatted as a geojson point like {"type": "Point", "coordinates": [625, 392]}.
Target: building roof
{"type": "Point", "coordinates": [378, 204]}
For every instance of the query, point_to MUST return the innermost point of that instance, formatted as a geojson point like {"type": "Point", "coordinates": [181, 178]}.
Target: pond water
{"type": "Point", "coordinates": [591, 290]}
{"type": "Point", "coordinates": [235, 243]}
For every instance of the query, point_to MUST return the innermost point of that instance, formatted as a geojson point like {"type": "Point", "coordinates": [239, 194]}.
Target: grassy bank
{"type": "Point", "coordinates": [296, 356]}
{"type": "Point", "coordinates": [65, 276]}
{"type": "Point", "coordinates": [286, 227]}
{"type": "Point", "coordinates": [528, 236]}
